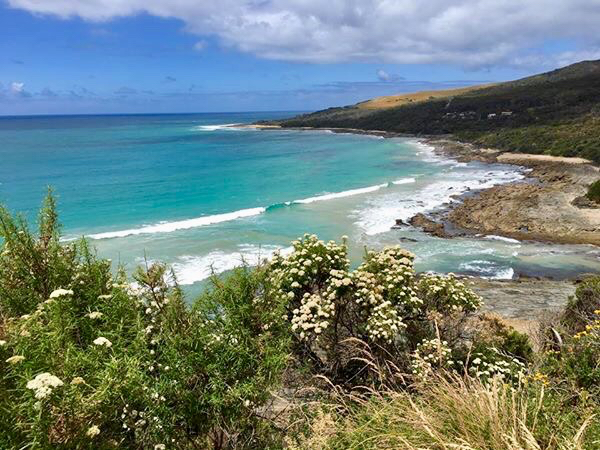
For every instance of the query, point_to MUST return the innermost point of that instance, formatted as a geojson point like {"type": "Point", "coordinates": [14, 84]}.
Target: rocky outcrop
{"type": "Point", "coordinates": [546, 206]}
{"type": "Point", "coordinates": [428, 225]}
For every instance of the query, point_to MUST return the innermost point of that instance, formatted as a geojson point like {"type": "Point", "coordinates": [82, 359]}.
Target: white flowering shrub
{"type": "Point", "coordinates": [382, 303]}
{"type": "Point", "coordinates": [495, 364]}
{"type": "Point", "coordinates": [431, 355]}
{"type": "Point", "coordinates": [93, 360]}
{"type": "Point", "coordinates": [448, 294]}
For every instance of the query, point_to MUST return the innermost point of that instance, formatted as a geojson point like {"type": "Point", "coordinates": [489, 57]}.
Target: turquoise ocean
{"type": "Point", "coordinates": [202, 196]}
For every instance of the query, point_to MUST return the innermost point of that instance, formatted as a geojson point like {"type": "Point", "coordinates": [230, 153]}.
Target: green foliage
{"type": "Point", "coordinates": [575, 361]}
{"type": "Point", "coordinates": [594, 191]}
{"type": "Point", "coordinates": [580, 308]}
{"type": "Point", "coordinates": [92, 361]}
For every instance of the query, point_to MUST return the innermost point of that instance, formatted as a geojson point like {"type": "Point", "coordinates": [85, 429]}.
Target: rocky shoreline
{"type": "Point", "coordinates": [548, 205]}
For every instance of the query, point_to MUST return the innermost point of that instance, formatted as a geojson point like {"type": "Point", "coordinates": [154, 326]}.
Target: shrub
{"type": "Point", "coordinates": [580, 308]}
{"type": "Point", "coordinates": [88, 360]}
{"type": "Point", "coordinates": [335, 312]}
{"type": "Point", "coordinates": [594, 191]}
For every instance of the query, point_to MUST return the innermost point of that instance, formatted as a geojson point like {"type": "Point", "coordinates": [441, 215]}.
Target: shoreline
{"type": "Point", "coordinates": [542, 207]}
{"type": "Point", "coordinates": [539, 208]}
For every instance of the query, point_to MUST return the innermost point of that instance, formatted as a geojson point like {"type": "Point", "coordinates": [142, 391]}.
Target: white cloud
{"type": "Point", "coordinates": [468, 32]}
{"type": "Point", "coordinates": [16, 87]}
{"type": "Point", "coordinates": [383, 75]}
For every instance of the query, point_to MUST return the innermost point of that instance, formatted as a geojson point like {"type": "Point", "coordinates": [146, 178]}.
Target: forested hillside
{"type": "Point", "coordinates": [555, 113]}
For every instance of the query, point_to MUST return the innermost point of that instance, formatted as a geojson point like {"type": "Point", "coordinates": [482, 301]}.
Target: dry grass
{"type": "Point", "coordinates": [446, 413]}
{"type": "Point", "coordinates": [401, 99]}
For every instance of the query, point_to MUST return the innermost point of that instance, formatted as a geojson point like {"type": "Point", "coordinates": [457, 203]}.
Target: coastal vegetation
{"type": "Point", "coordinates": [555, 113]}
{"type": "Point", "coordinates": [302, 352]}
{"type": "Point", "coordinates": [594, 192]}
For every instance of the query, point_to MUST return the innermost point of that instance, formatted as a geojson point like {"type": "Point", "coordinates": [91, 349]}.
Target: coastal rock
{"type": "Point", "coordinates": [585, 203]}
{"type": "Point", "coordinates": [428, 225]}
{"type": "Point", "coordinates": [547, 206]}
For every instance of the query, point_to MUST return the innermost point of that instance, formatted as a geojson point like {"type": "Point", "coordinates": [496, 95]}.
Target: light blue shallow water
{"type": "Point", "coordinates": [185, 190]}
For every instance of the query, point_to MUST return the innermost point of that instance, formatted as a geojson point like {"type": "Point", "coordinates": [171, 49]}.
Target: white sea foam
{"type": "Point", "coordinates": [427, 153]}
{"type": "Point", "coordinates": [190, 269]}
{"type": "Point", "coordinates": [349, 193]}
{"type": "Point", "coordinates": [224, 126]}
{"type": "Point", "coordinates": [168, 227]}
{"type": "Point", "coordinates": [404, 181]}
{"type": "Point", "coordinates": [381, 213]}
{"type": "Point", "coordinates": [493, 237]}
{"type": "Point", "coordinates": [487, 269]}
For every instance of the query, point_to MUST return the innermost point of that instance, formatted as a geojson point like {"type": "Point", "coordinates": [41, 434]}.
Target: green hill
{"type": "Point", "coordinates": [556, 113]}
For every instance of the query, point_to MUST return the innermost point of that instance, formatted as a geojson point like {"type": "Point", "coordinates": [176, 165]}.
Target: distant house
{"type": "Point", "coordinates": [492, 116]}
{"type": "Point", "coordinates": [506, 113]}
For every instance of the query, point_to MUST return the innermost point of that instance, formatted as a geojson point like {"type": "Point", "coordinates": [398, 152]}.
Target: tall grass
{"type": "Point", "coordinates": [452, 412]}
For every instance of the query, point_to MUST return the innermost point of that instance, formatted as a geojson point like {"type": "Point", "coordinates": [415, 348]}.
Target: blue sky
{"type": "Point", "coordinates": [109, 56]}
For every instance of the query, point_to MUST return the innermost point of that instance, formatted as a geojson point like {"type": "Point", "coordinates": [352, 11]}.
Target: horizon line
{"type": "Point", "coordinates": [17, 116]}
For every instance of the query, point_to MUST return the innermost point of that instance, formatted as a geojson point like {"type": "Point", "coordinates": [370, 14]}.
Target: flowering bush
{"type": "Point", "coordinates": [494, 364]}
{"type": "Point", "coordinates": [92, 360]}
{"type": "Point", "coordinates": [577, 359]}
{"type": "Point", "coordinates": [382, 303]}
{"type": "Point", "coordinates": [431, 354]}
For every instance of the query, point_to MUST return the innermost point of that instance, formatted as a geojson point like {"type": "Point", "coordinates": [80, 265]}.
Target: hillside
{"type": "Point", "coordinates": [555, 113]}
{"type": "Point", "coordinates": [390, 101]}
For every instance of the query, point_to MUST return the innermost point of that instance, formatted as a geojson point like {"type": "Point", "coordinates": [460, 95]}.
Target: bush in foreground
{"type": "Point", "coordinates": [92, 361]}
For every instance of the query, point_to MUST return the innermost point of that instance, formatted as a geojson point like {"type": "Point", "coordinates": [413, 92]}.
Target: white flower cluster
{"type": "Point", "coordinates": [312, 316]}
{"type": "Point", "coordinates": [311, 262]}
{"type": "Point", "coordinates": [60, 293]}
{"type": "Point", "coordinates": [449, 293]}
{"type": "Point", "coordinates": [43, 384]}
{"type": "Point", "coordinates": [308, 279]}
{"type": "Point", "coordinates": [93, 431]}
{"type": "Point", "coordinates": [383, 289]}
{"type": "Point", "coordinates": [501, 366]}
{"type": "Point", "coordinates": [102, 341]}
{"type": "Point", "coordinates": [384, 323]}
{"type": "Point", "coordinates": [431, 354]}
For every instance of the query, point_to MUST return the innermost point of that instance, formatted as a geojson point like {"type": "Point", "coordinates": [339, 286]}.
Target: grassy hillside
{"type": "Point", "coordinates": [390, 101]}
{"type": "Point", "coordinates": [555, 113]}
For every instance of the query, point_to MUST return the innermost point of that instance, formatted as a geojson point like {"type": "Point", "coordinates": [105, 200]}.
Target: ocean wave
{"type": "Point", "coordinates": [191, 269]}
{"type": "Point", "coordinates": [404, 181]}
{"type": "Point", "coordinates": [168, 227]}
{"type": "Point", "coordinates": [351, 192]}
{"type": "Point", "coordinates": [487, 269]}
{"type": "Point", "coordinates": [223, 126]}
{"type": "Point", "coordinates": [381, 213]}
{"type": "Point", "coordinates": [427, 153]}
{"type": "Point", "coordinates": [493, 237]}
